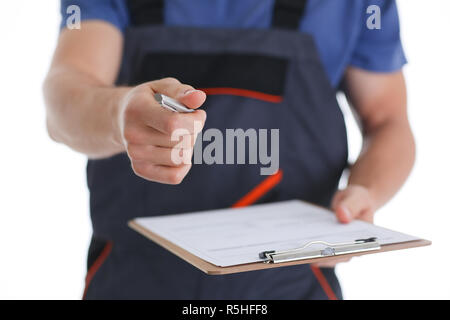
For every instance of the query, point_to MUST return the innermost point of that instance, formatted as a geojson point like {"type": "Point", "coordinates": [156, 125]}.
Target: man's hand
{"type": "Point", "coordinates": [146, 130]}
{"type": "Point", "coordinates": [354, 202]}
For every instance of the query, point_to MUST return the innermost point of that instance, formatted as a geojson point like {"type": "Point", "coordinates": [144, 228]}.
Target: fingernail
{"type": "Point", "coordinates": [189, 91]}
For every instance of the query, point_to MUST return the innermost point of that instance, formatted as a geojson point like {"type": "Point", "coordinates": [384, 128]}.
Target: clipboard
{"type": "Point", "coordinates": [312, 252]}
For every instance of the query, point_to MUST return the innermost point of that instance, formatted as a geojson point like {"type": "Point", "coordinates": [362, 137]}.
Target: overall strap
{"type": "Point", "coordinates": [288, 13]}
{"type": "Point", "coordinates": [146, 12]}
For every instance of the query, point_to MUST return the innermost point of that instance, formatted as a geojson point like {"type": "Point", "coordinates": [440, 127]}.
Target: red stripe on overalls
{"type": "Point", "coordinates": [257, 193]}
{"type": "Point", "coordinates": [96, 265]}
{"type": "Point", "coordinates": [323, 283]}
{"type": "Point", "coordinates": [243, 93]}
{"type": "Point", "coordinates": [260, 190]}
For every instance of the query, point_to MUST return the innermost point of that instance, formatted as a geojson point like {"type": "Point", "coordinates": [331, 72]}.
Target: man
{"type": "Point", "coordinates": [264, 64]}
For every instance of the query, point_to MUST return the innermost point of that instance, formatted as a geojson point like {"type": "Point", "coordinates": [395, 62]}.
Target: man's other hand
{"type": "Point", "coordinates": [354, 202]}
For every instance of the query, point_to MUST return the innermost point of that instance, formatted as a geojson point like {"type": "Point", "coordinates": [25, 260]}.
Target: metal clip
{"type": "Point", "coordinates": [331, 249]}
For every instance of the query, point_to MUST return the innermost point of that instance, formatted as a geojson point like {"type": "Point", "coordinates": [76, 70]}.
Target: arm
{"type": "Point", "coordinates": [80, 97]}
{"type": "Point", "coordinates": [388, 151]}
{"type": "Point", "coordinates": [86, 112]}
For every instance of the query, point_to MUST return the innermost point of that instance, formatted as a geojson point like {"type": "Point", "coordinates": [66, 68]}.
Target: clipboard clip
{"type": "Point", "coordinates": [328, 250]}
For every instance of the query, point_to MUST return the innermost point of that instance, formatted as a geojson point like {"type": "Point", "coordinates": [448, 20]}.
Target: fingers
{"type": "Point", "coordinates": [151, 136]}
{"type": "Point", "coordinates": [353, 203]}
{"type": "Point", "coordinates": [159, 155]}
{"type": "Point", "coordinates": [161, 174]}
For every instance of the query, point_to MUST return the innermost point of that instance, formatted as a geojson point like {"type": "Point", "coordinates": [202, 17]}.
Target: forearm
{"type": "Point", "coordinates": [82, 112]}
{"type": "Point", "coordinates": [385, 161]}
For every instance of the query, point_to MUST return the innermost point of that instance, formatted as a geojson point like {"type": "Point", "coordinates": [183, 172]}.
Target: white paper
{"type": "Point", "coordinates": [236, 236]}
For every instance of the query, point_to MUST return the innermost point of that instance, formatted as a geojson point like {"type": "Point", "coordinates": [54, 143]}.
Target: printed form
{"type": "Point", "coordinates": [235, 236]}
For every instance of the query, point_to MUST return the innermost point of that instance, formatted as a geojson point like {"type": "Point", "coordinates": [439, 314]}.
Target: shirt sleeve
{"type": "Point", "coordinates": [380, 50]}
{"type": "Point", "coordinates": [114, 12]}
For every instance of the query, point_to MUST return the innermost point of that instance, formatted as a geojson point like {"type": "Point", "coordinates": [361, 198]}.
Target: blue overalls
{"type": "Point", "coordinates": [261, 79]}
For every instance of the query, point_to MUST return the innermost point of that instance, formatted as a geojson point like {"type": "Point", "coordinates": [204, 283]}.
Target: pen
{"type": "Point", "coordinates": [171, 104]}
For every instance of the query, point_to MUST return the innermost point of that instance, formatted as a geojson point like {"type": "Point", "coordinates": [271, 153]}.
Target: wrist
{"type": "Point", "coordinates": [116, 116]}
{"type": "Point", "coordinates": [377, 199]}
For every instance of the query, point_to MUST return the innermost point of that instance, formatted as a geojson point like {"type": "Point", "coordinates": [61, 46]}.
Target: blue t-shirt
{"type": "Point", "coordinates": [338, 26]}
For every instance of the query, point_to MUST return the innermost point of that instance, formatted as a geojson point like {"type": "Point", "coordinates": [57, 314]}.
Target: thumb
{"type": "Point", "coordinates": [184, 93]}
{"type": "Point", "coordinates": [343, 214]}
{"type": "Point", "coordinates": [348, 206]}
{"type": "Point", "coordinates": [192, 98]}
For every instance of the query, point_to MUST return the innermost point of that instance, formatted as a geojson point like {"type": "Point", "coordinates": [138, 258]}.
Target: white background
{"type": "Point", "coordinates": [44, 220]}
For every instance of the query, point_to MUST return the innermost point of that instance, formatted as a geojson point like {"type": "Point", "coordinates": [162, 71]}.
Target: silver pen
{"type": "Point", "coordinates": [171, 104]}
